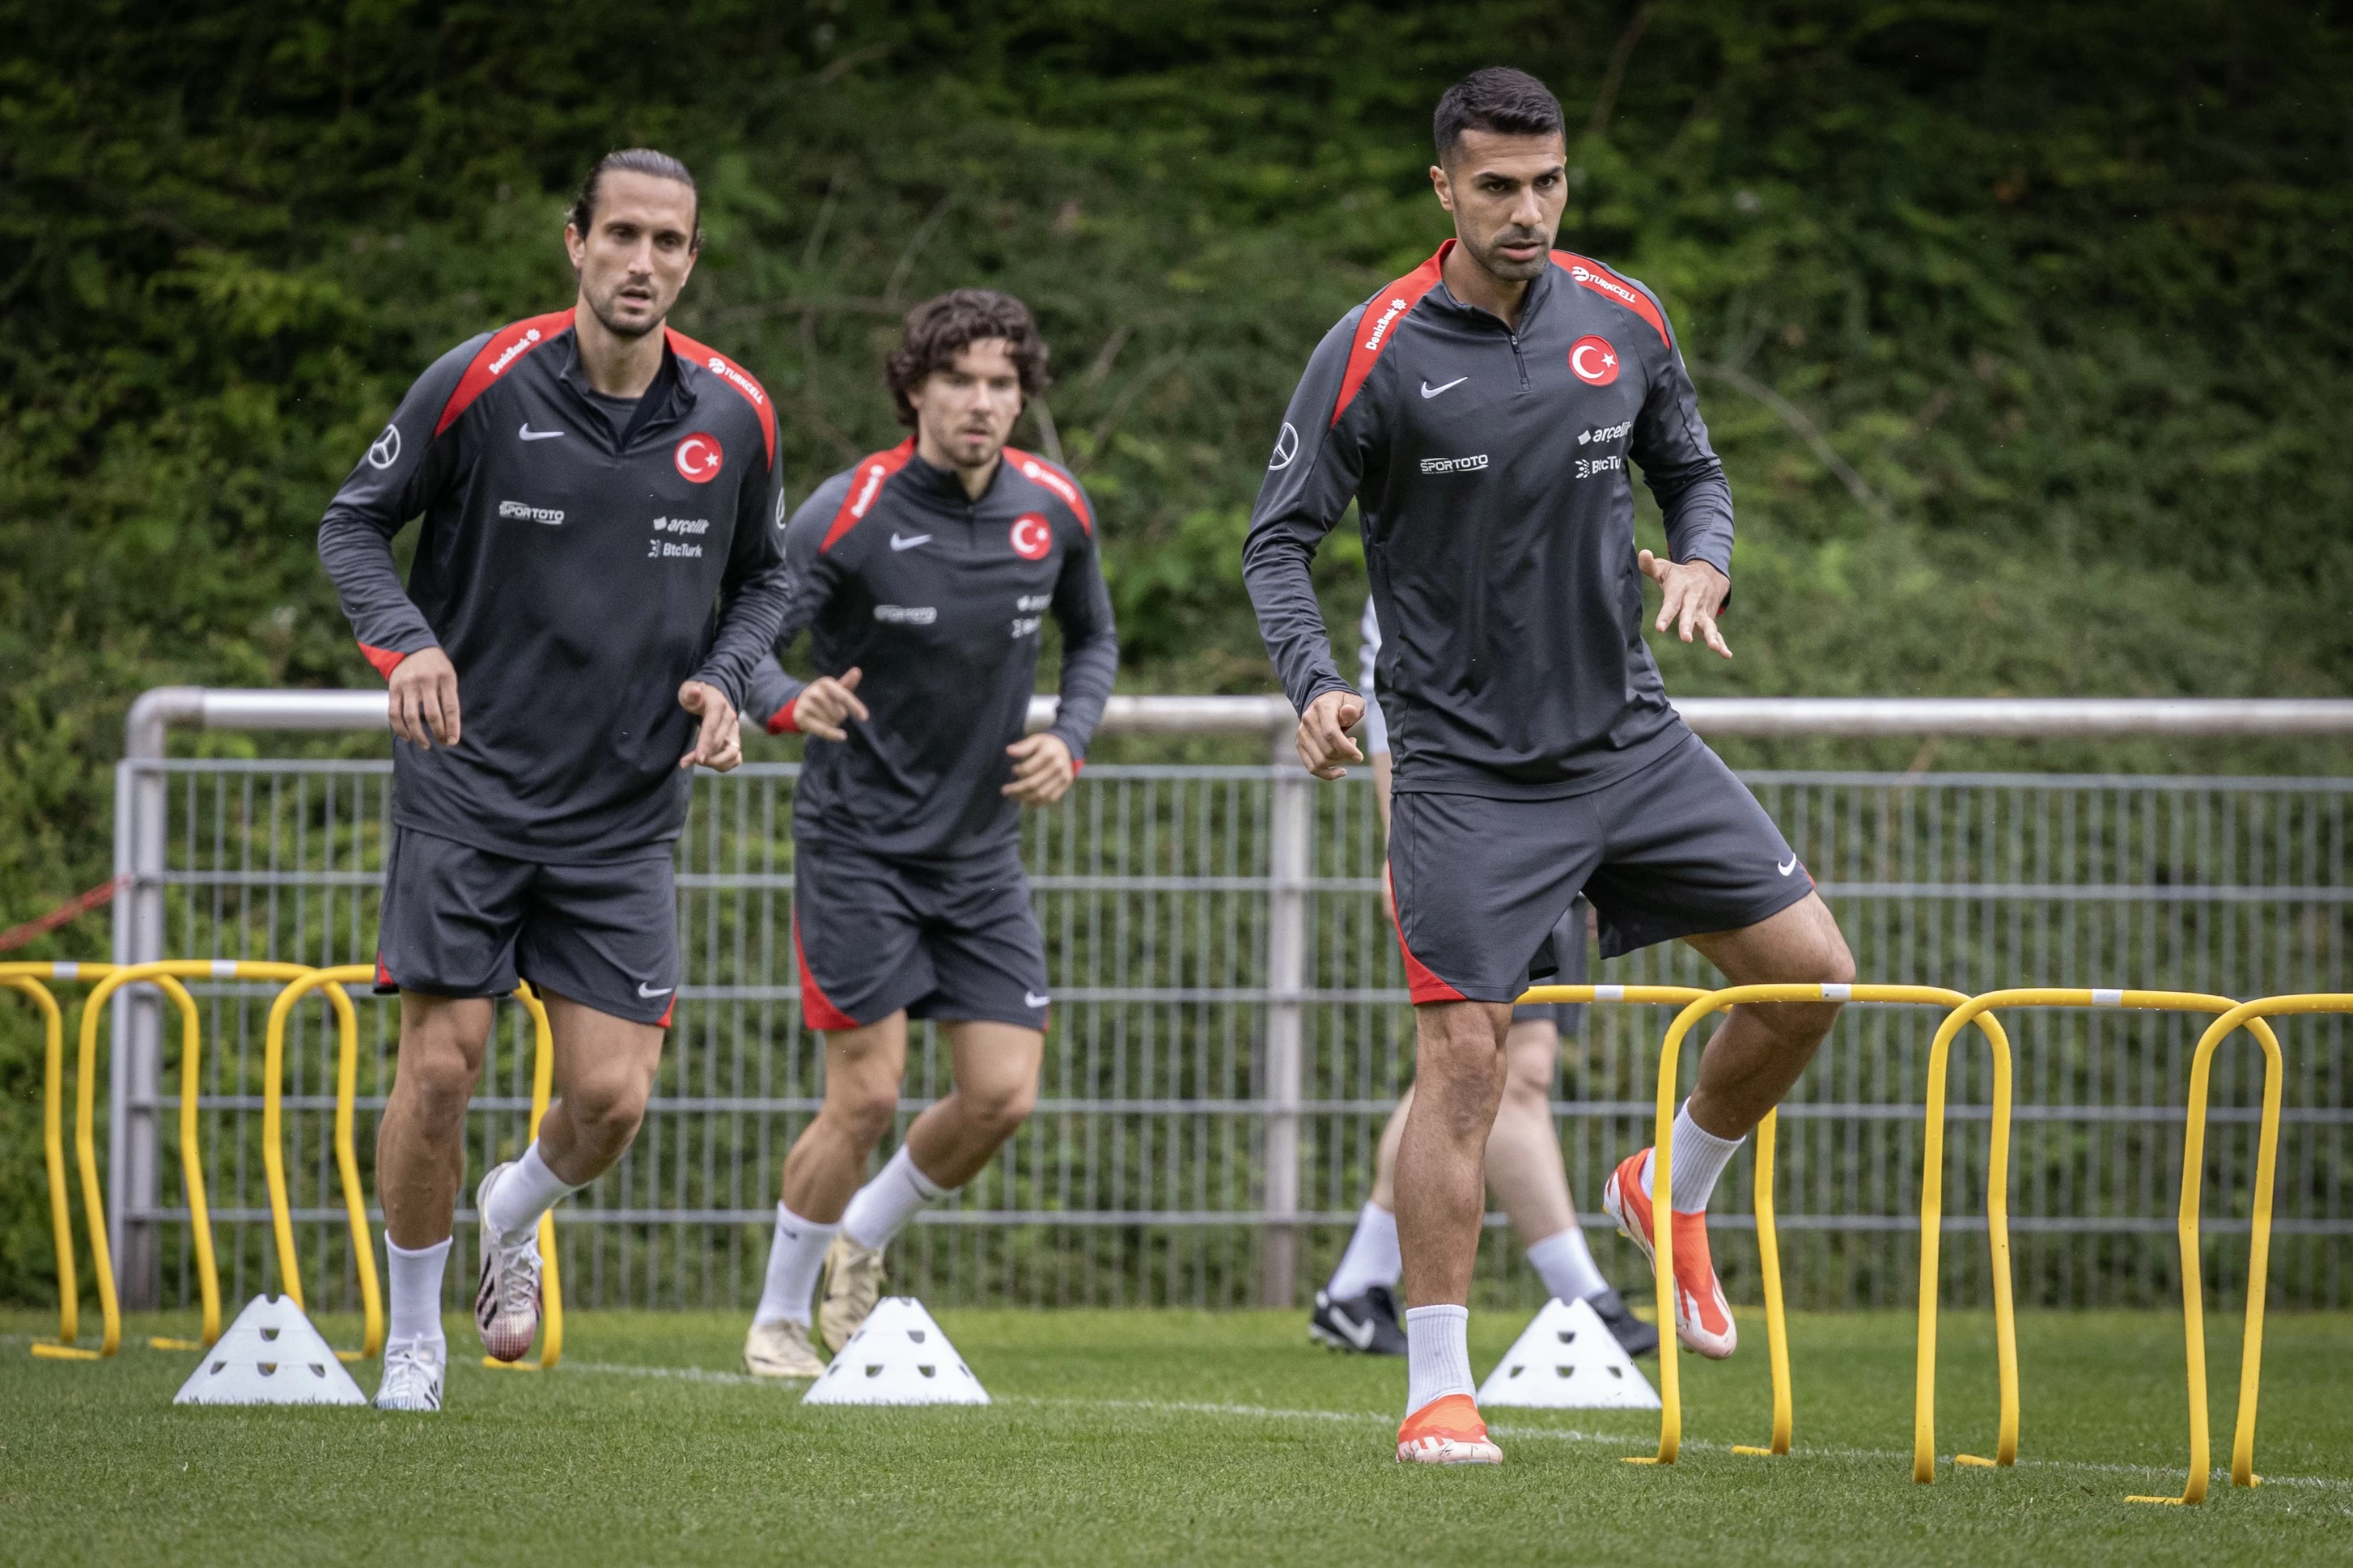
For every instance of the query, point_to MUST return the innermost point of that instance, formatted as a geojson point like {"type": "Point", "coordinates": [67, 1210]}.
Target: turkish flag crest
{"type": "Point", "coordinates": [1593, 360]}
{"type": "Point", "coordinates": [1032, 536]}
{"type": "Point", "coordinates": [698, 458]}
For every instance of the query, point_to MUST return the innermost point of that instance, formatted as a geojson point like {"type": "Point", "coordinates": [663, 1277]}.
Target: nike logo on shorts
{"type": "Point", "coordinates": [649, 993]}
{"type": "Point", "coordinates": [1786, 867]}
{"type": "Point", "coordinates": [1031, 999]}
{"type": "Point", "coordinates": [1430, 391]}
{"type": "Point", "coordinates": [908, 542]}
{"type": "Point", "coordinates": [528, 434]}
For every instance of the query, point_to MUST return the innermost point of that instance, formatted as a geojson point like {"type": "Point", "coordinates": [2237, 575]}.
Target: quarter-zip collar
{"type": "Point", "coordinates": [665, 400]}
{"type": "Point", "coordinates": [945, 486]}
{"type": "Point", "coordinates": [1539, 290]}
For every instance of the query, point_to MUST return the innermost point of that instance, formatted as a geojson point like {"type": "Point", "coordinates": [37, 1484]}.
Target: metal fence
{"type": "Point", "coordinates": [1231, 1029]}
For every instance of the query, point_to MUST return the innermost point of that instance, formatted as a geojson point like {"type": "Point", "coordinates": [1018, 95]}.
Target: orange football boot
{"type": "Point", "coordinates": [1447, 1431]}
{"type": "Point", "coordinates": [1702, 1317]}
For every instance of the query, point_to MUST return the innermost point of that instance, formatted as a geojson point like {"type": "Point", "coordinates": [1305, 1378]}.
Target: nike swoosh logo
{"type": "Point", "coordinates": [1430, 391]}
{"type": "Point", "coordinates": [1358, 1334]}
{"type": "Point", "coordinates": [649, 992]}
{"type": "Point", "coordinates": [528, 434]}
{"type": "Point", "coordinates": [909, 542]}
{"type": "Point", "coordinates": [1786, 867]}
{"type": "Point", "coordinates": [1031, 999]}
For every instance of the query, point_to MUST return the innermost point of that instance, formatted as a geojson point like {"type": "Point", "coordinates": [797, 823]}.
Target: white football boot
{"type": "Point", "coordinates": [413, 1371]}
{"type": "Point", "coordinates": [853, 1284]}
{"type": "Point", "coordinates": [506, 1306]}
{"type": "Point", "coordinates": [781, 1350]}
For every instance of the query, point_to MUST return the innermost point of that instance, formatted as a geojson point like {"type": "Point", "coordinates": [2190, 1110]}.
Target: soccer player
{"type": "Point", "coordinates": [1482, 411]}
{"type": "Point", "coordinates": [1356, 1309]}
{"type": "Point", "coordinates": [924, 574]}
{"type": "Point", "coordinates": [593, 484]}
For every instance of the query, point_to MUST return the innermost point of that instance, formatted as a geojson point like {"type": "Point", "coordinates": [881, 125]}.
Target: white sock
{"type": "Point", "coordinates": [1438, 1355]}
{"type": "Point", "coordinates": [1372, 1257]}
{"type": "Point", "coordinates": [881, 1208]}
{"type": "Point", "coordinates": [1566, 1264]}
{"type": "Point", "coordinates": [1700, 1159]}
{"type": "Point", "coordinates": [526, 1192]}
{"type": "Point", "coordinates": [793, 1257]}
{"type": "Point", "coordinates": [413, 1282]}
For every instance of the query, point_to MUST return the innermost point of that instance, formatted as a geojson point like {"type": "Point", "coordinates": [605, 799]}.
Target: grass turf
{"type": "Point", "coordinates": [1171, 1436]}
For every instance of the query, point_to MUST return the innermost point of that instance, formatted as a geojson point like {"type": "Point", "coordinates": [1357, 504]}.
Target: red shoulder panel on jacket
{"type": "Point", "coordinates": [866, 483]}
{"type": "Point", "coordinates": [1591, 274]}
{"type": "Point", "coordinates": [1040, 472]}
{"type": "Point", "coordinates": [734, 375]}
{"type": "Point", "coordinates": [501, 353]}
{"type": "Point", "coordinates": [1377, 326]}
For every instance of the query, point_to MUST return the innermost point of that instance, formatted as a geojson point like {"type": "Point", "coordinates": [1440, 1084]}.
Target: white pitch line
{"type": "Point", "coordinates": [1368, 1417]}
{"type": "Point", "coordinates": [677, 1373]}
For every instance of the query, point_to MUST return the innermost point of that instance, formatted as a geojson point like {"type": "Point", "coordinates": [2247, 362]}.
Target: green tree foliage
{"type": "Point", "coordinates": [2023, 331]}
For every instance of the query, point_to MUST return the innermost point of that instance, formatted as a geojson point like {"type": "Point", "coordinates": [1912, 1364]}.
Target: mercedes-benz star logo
{"type": "Point", "coordinates": [1286, 446]}
{"type": "Point", "coordinates": [386, 450]}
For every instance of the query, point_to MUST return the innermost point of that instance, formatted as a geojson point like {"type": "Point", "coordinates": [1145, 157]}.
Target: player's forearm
{"type": "Point", "coordinates": [749, 620]}
{"type": "Point", "coordinates": [1090, 663]}
{"type": "Point", "coordinates": [1698, 515]}
{"type": "Point", "coordinates": [1290, 619]}
{"type": "Point", "coordinates": [358, 560]}
{"type": "Point", "coordinates": [773, 694]}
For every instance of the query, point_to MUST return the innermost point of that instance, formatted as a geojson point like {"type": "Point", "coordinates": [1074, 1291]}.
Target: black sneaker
{"type": "Point", "coordinates": [1637, 1337]}
{"type": "Point", "coordinates": [1366, 1325]}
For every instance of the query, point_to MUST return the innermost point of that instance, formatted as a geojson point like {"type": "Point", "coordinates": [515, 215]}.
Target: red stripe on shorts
{"type": "Point", "coordinates": [815, 1011]}
{"type": "Point", "coordinates": [1424, 985]}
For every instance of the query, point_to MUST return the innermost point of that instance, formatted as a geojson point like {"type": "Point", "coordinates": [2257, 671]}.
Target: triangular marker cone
{"type": "Point", "coordinates": [898, 1356]}
{"type": "Point", "coordinates": [1568, 1359]}
{"type": "Point", "coordinates": [270, 1355]}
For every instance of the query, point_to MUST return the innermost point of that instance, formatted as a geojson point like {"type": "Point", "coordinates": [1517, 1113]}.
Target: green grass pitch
{"type": "Point", "coordinates": [1157, 1436]}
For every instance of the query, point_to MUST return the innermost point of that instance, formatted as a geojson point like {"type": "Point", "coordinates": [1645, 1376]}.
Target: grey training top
{"type": "Point", "coordinates": [1488, 464]}
{"type": "Point", "coordinates": [576, 576]}
{"type": "Point", "coordinates": [937, 599]}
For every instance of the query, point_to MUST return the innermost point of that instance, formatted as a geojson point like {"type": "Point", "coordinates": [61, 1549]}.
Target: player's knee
{"type": "Point", "coordinates": [863, 1111]}
{"type": "Point", "coordinates": [1835, 960]}
{"type": "Point", "coordinates": [608, 1107]}
{"type": "Point", "coordinates": [1527, 1091]}
{"type": "Point", "coordinates": [439, 1080]}
{"type": "Point", "coordinates": [999, 1107]}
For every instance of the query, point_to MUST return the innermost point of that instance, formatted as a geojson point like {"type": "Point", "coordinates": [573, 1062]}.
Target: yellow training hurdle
{"type": "Point", "coordinates": [2251, 1015]}
{"type": "Point", "coordinates": [1671, 1415]}
{"type": "Point", "coordinates": [273, 1154]}
{"type": "Point", "coordinates": [106, 979]}
{"type": "Point", "coordinates": [1975, 1009]}
{"type": "Point", "coordinates": [165, 975]}
{"type": "Point", "coordinates": [25, 978]}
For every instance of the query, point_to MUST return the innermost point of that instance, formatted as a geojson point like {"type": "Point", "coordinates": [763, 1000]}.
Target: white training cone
{"type": "Point", "coordinates": [898, 1356]}
{"type": "Point", "coordinates": [1568, 1359]}
{"type": "Point", "coordinates": [270, 1355]}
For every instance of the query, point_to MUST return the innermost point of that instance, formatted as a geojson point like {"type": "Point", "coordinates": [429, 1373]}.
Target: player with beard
{"type": "Point", "coordinates": [599, 572]}
{"type": "Point", "coordinates": [924, 575]}
{"type": "Point", "coordinates": [1481, 412]}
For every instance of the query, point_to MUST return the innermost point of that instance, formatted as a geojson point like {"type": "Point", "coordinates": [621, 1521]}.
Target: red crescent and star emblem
{"type": "Point", "coordinates": [1593, 360]}
{"type": "Point", "coordinates": [1032, 536]}
{"type": "Point", "coordinates": [699, 459]}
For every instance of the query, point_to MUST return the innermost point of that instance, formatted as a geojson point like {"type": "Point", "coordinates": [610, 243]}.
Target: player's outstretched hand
{"type": "Point", "coordinates": [1694, 594]}
{"type": "Point", "coordinates": [720, 745]}
{"type": "Point", "coordinates": [424, 698]}
{"type": "Point", "coordinates": [826, 704]}
{"type": "Point", "coordinates": [1042, 770]}
{"type": "Point", "coordinates": [1324, 742]}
